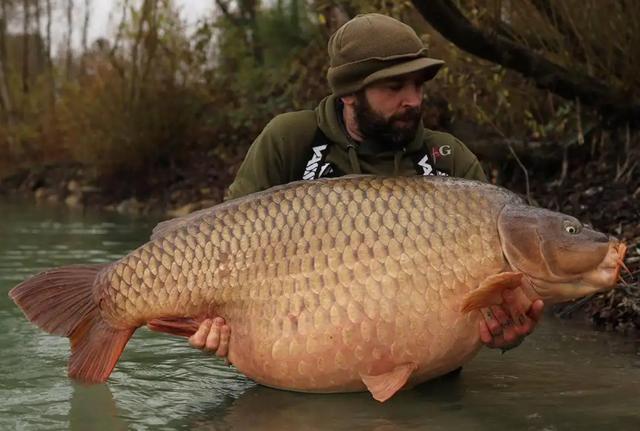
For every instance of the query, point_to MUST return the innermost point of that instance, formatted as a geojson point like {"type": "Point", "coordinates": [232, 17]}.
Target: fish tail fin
{"type": "Point", "coordinates": [183, 327]}
{"type": "Point", "coordinates": [60, 301]}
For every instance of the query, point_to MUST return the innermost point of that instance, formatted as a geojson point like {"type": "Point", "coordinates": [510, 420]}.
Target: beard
{"type": "Point", "coordinates": [397, 131]}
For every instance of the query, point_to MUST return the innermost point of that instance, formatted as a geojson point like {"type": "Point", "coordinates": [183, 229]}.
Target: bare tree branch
{"type": "Point", "coordinates": [548, 10]}
{"type": "Point", "coordinates": [567, 29]}
{"type": "Point", "coordinates": [445, 17]}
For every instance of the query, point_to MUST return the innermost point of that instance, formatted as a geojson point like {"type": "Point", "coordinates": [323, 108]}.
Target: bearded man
{"type": "Point", "coordinates": [370, 124]}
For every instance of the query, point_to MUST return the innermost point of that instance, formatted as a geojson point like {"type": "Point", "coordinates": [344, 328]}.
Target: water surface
{"type": "Point", "coordinates": [564, 377]}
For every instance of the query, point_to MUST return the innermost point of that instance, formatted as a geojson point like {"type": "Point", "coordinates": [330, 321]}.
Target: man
{"type": "Point", "coordinates": [370, 124]}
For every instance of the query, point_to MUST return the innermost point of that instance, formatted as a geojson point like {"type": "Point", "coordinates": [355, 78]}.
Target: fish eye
{"type": "Point", "coordinates": [571, 228]}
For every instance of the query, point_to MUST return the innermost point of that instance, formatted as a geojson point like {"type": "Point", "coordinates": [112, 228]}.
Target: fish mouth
{"type": "Point", "coordinates": [607, 274]}
{"type": "Point", "coordinates": [603, 278]}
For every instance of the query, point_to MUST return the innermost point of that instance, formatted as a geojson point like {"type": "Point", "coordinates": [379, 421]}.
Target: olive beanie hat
{"type": "Point", "coordinates": [371, 47]}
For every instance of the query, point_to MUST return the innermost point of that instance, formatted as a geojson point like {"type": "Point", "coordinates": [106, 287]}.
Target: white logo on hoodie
{"type": "Point", "coordinates": [312, 164]}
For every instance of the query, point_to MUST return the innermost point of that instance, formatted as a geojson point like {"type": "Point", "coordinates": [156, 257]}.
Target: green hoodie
{"type": "Point", "coordinates": [281, 152]}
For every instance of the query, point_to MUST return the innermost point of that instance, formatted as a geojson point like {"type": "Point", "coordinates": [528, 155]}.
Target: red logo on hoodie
{"type": "Point", "coordinates": [444, 150]}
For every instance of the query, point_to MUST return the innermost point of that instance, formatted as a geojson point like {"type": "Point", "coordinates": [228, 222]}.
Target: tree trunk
{"type": "Point", "coordinates": [85, 32]}
{"type": "Point", "coordinates": [38, 32]}
{"type": "Point", "coordinates": [295, 15]}
{"type": "Point", "coordinates": [250, 12]}
{"type": "Point", "coordinates": [135, 52]}
{"type": "Point", "coordinates": [69, 37]}
{"type": "Point", "coordinates": [3, 33]}
{"type": "Point", "coordinates": [26, 20]}
{"type": "Point", "coordinates": [116, 44]}
{"type": "Point", "coordinates": [4, 92]}
{"type": "Point", "coordinates": [5, 96]}
{"type": "Point", "coordinates": [151, 40]}
{"type": "Point", "coordinates": [334, 15]}
{"type": "Point", "coordinates": [245, 19]}
{"type": "Point", "coordinates": [50, 71]}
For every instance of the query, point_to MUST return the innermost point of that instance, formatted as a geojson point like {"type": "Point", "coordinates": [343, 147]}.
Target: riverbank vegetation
{"type": "Point", "coordinates": [158, 115]}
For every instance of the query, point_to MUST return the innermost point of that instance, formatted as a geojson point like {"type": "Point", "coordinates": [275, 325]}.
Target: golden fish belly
{"type": "Point", "coordinates": [333, 358]}
{"type": "Point", "coordinates": [324, 281]}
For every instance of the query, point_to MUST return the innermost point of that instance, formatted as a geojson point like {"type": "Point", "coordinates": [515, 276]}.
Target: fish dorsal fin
{"type": "Point", "coordinates": [490, 291]}
{"type": "Point", "coordinates": [384, 386]}
{"type": "Point", "coordinates": [164, 227]}
{"type": "Point", "coordinates": [168, 226]}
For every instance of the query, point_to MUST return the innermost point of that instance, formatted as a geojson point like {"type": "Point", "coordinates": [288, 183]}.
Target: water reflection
{"type": "Point", "coordinates": [93, 406]}
{"type": "Point", "coordinates": [269, 409]}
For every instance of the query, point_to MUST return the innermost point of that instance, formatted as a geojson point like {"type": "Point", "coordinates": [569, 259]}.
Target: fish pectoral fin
{"type": "Point", "coordinates": [181, 326]}
{"type": "Point", "coordinates": [384, 386]}
{"type": "Point", "coordinates": [490, 291]}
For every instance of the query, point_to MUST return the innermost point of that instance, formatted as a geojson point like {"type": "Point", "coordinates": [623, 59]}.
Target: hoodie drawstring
{"type": "Point", "coordinates": [397, 158]}
{"type": "Point", "coordinates": [353, 159]}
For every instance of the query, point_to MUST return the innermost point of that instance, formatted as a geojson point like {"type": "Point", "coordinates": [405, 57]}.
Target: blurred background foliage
{"type": "Point", "coordinates": [149, 104]}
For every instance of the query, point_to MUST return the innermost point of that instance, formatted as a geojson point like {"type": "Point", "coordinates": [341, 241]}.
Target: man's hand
{"type": "Point", "coordinates": [499, 330]}
{"type": "Point", "coordinates": [212, 336]}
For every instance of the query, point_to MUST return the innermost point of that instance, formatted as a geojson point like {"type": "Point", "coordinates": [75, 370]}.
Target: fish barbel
{"type": "Point", "coordinates": [336, 285]}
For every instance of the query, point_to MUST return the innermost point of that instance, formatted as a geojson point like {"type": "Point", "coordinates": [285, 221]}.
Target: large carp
{"type": "Point", "coordinates": [333, 285]}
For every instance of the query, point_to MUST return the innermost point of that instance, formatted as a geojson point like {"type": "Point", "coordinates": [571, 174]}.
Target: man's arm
{"type": "Point", "coordinates": [465, 163]}
{"type": "Point", "coordinates": [475, 172]}
{"type": "Point", "coordinates": [275, 156]}
{"type": "Point", "coordinates": [261, 168]}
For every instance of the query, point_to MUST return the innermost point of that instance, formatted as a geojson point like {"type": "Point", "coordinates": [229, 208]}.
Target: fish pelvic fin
{"type": "Point", "coordinates": [60, 301]}
{"type": "Point", "coordinates": [181, 326]}
{"type": "Point", "coordinates": [490, 291]}
{"type": "Point", "coordinates": [384, 386]}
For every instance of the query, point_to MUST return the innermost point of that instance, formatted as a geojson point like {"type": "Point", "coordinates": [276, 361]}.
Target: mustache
{"type": "Point", "coordinates": [410, 114]}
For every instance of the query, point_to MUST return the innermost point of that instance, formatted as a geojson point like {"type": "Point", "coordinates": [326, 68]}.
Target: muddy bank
{"type": "Point", "coordinates": [170, 193]}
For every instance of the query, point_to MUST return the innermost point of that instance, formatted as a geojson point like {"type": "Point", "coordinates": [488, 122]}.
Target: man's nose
{"type": "Point", "coordinates": [412, 96]}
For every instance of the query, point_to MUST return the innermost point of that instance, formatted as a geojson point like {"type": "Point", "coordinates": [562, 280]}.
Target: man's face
{"type": "Point", "coordinates": [390, 110]}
